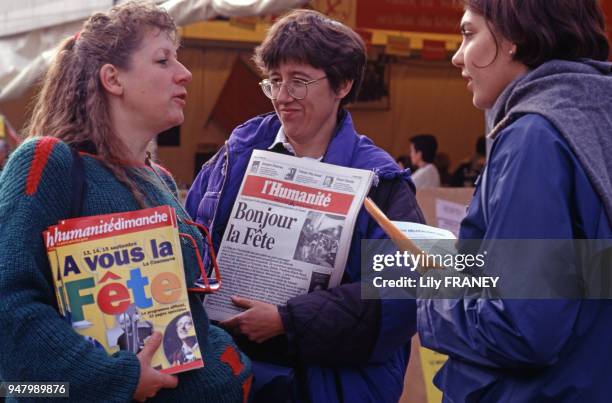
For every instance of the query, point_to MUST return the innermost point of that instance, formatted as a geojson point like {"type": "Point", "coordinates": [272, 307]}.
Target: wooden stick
{"type": "Point", "coordinates": [400, 239]}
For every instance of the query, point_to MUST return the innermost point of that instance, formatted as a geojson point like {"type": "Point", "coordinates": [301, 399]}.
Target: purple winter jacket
{"type": "Point", "coordinates": [343, 347]}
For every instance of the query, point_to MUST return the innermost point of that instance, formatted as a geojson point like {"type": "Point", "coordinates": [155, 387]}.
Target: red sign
{"type": "Point", "coordinates": [438, 16]}
{"type": "Point", "coordinates": [434, 50]}
{"type": "Point", "coordinates": [365, 35]}
{"type": "Point", "coordinates": [607, 8]}
{"type": "Point", "coordinates": [297, 195]}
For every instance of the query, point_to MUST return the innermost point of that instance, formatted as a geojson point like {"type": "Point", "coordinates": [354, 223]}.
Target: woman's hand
{"type": "Point", "coordinates": [151, 380]}
{"type": "Point", "coordinates": [259, 322]}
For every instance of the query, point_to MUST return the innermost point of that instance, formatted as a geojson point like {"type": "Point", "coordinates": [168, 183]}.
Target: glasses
{"type": "Point", "coordinates": [297, 89]}
{"type": "Point", "coordinates": [205, 284]}
{"type": "Point", "coordinates": [209, 281]}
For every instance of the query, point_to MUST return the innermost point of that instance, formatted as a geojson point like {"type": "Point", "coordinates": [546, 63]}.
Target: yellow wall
{"type": "Point", "coordinates": [426, 97]}
{"type": "Point", "coordinates": [17, 110]}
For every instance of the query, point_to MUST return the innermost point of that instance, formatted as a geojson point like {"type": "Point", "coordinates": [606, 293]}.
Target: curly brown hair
{"type": "Point", "coordinates": [72, 104]}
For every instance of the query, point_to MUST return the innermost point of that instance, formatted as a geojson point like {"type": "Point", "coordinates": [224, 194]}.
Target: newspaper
{"type": "Point", "coordinates": [289, 231]}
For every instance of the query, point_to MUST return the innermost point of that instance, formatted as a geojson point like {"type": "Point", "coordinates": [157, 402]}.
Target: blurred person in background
{"type": "Point", "coordinates": [403, 161]}
{"type": "Point", "coordinates": [466, 173]}
{"type": "Point", "coordinates": [423, 149]}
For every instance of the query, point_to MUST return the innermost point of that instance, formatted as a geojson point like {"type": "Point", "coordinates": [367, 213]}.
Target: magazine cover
{"type": "Point", "coordinates": [119, 277]}
{"type": "Point", "coordinates": [57, 280]}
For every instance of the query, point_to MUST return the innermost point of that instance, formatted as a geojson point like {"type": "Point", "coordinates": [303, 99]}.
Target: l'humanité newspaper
{"type": "Point", "coordinates": [289, 231]}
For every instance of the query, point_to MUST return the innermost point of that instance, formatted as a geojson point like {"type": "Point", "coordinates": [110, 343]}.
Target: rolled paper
{"type": "Point", "coordinates": [400, 239]}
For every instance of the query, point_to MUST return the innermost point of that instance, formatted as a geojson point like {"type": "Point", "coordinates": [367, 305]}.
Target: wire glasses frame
{"type": "Point", "coordinates": [204, 284]}
{"type": "Point", "coordinates": [297, 89]}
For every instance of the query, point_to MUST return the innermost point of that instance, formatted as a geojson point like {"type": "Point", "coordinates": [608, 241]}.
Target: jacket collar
{"type": "Point", "coordinates": [346, 147]}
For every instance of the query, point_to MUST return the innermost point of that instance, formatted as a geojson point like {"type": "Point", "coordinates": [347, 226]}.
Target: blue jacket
{"type": "Point", "coordinates": [527, 350]}
{"type": "Point", "coordinates": [346, 348]}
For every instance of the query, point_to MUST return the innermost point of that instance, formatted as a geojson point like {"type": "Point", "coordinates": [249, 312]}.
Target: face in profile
{"type": "Point", "coordinates": [154, 90]}
{"type": "Point", "coordinates": [184, 327]}
{"type": "Point", "coordinates": [488, 66]}
{"type": "Point", "coordinates": [415, 156]}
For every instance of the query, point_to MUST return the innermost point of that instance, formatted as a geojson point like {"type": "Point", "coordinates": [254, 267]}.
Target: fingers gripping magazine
{"type": "Point", "coordinates": [119, 277]}
{"type": "Point", "coordinates": [289, 231]}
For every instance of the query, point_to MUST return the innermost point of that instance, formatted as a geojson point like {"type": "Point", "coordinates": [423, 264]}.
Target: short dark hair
{"type": "Point", "coordinates": [404, 160]}
{"type": "Point", "coordinates": [543, 30]}
{"type": "Point", "coordinates": [427, 145]}
{"type": "Point", "coordinates": [481, 146]}
{"type": "Point", "coordinates": [309, 37]}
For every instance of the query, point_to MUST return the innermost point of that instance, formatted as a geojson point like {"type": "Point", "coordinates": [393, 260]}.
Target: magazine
{"type": "Point", "coordinates": [119, 277]}
{"type": "Point", "coordinates": [57, 280]}
{"type": "Point", "coordinates": [289, 231]}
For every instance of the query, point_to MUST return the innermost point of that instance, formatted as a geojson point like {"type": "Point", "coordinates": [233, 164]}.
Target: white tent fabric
{"type": "Point", "coordinates": [19, 16]}
{"type": "Point", "coordinates": [30, 30]}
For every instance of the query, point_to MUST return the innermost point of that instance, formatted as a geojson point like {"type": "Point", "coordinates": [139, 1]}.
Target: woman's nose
{"type": "Point", "coordinates": [283, 93]}
{"type": "Point", "coordinates": [183, 76]}
{"type": "Point", "coordinates": [457, 59]}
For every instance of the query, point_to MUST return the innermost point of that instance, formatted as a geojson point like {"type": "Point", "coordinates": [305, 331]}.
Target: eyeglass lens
{"type": "Point", "coordinates": [297, 89]}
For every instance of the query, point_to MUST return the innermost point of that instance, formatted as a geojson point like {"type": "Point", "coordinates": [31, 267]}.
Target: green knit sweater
{"type": "Point", "coordinates": [36, 344]}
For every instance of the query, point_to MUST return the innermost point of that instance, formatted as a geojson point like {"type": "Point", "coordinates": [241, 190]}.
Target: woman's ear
{"type": "Point", "coordinates": [508, 47]}
{"type": "Point", "coordinates": [513, 49]}
{"type": "Point", "coordinates": [344, 89]}
{"type": "Point", "coordinates": [109, 77]}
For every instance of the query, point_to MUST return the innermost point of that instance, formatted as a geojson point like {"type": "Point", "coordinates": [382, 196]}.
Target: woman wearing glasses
{"type": "Point", "coordinates": [109, 91]}
{"type": "Point", "coordinates": [340, 348]}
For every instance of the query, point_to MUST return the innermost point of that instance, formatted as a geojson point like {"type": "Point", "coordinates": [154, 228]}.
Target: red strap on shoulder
{"type": "Point", "coordinates": [42, 151]}
{"type": "Point", "coordinates": [246, 389]}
